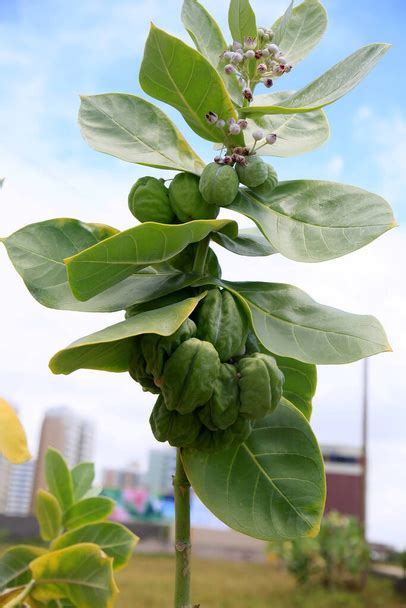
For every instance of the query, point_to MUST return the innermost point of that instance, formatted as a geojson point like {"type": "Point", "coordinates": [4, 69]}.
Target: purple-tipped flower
{"type": "Point", "coordinates": [212, 117]}
{"type": "Point", "coordinates": [268, 82]}
{"type": "Point", "coordinates": [230, 121]}
{"type": "Point", "coordinates": [258, 134]}
{"type": "Point", "coordinates": [258, 54]}
{"type": "Point", "coordinates": [237, 58]}
{"type": "Point", "coordinates": [220, 123]}
{"type": "Point", "coordinates": [235, 129]}
{"type": "Point", "coordinates": [262, 68]}
{"type": "Point", "coordinates": [237, 45]}
{"type": "Point", "coordinates": [230, 69]}
{"type": "Point", "coordinates": [227, 55]}
{"type": "Point", "coordinates": [250, 54]}
{"type": "Point", "coordinates": [280, 70]}
{"type": "Point", "coordinates": [248, 94]}
{"type": "Point", "coordinates": [270, 138]}
{"type": "Point", "coordinates": [217, 159]}
{"type": "Point", "coordinates": [273, 49]}
{"type": "Point", "coordinates": [282, 60]}
{"type": "Point", "coordinates": [250, 42]}
{"type": "Point", "coordinates": [243, 123]}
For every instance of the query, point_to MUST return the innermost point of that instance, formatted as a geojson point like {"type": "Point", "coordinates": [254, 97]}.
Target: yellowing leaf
{"type": "Point", "coordinates": [13, 442]}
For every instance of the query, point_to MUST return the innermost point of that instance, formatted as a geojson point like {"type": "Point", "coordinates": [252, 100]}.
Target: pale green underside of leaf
{"type": "Point", "coordinates": [280, 26]}
{"type": "Point", "coordinates": [270, 487]}
{"type": "Point", "coordinates": [82, 479]}
{"type": "Point", "coordinates": [134, 130]}
{"type": "Point", "coordinates": [296, 133]}
{"type": "Point", "coordinates": [313, 221]}
{"type": "Point", "coordinates": [110, 349]}
{"type": "Point", "coordinates": [300, 383]}
{"type": "Point", "coordinates": [115, 540]}
{"type": "Point", "coordinates": [241, 20]}
{"type": "Point", "coordinates": [331, 86]}
{"type": "Point", "coordinates": [209, 41]}
{"type": "Point", "coordinates": [173, 72]}
{"type": "Point", "coordinates": [113, 260]}
{"type": "Point", "coordinates": [290, 323]}
{"type": "Point", "coordinates": [250, 242]}
{"type": "Point", "coordinates": [305, 28]}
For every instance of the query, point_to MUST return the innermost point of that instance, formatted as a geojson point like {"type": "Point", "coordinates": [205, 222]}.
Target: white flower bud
{"type": "Point", "coordinates": [273, 49]}
{"type": "Point", "coordinates": [220, 123]}
{"type": "Point", "coordinates": [237, 45]}
{"type": "Point", "coordinates": [261, 31]}
{"type": "Point", "coordinates": [270, 138]}
{"type": "Point", "coordinates": [282, 60]}
{"type": "Point", "coordinates": [230, 121]}
{"type": "Point", "coordinates": [258, 134]}
{"type": "Point", "coordinates": [228, 55]}
{"type": "Point", "coordinates": [249, 54]}
{"type": "Point", "coordinates": [230, 69]}
{"type": "Point", "coordinates": [265, 53]}
{"type": "Point", "coordinates": [262, 68]}
{"type": "Point", "coordinates": [237, 58]}
{"type": "Point", "coordinates": [235, 129]}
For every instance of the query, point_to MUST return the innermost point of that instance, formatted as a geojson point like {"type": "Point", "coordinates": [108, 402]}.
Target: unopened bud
{"type": "Point", "coordinates": [258, 54]}
{"type": "Point", "coordinates": [262, 68]}
{"type": "Point", "coordinates": [273, 49]}
{"type": "Point", "coordinates": [237, 58]}
{"type": "Point", "coordinates": [282, 59]}
{"type": "Point", "coordinates": [242, 82]}
{"type": "Point", "coordinates": [230, 121]}
{"type": "Point", "coordinates": [270, 138]}
{"type": "Point", "coordinates": [217, 159]}
{"type": "Point", "coordinates": [237, 45]}
{"type": "Point", "coordinates": [248, 94]}
{"type": "Point", "coordinates": [235, 129]}
{"type": "Point", "coordinates": [250, 42]}
{"type": "Point", "coordinates": [230, 69]}
{"type": "Point", "coordinates": [249, 54]}
{"type": "Point", "coordinates": [220, 123]}
{"type": "Point", "coordinates": [265, 53]}
{"type": "Point", "coordinates": [243, 124]}
{"type": "Point", "coordinates": [228, 55]}
{"type": "Point", "coordinates": [258, 134]}
{"type": "Point", "coordinates": [212, 117]}
{"type": "Point", "coordinates": [268, 82]}
{"type": "Point", "coordinates": [288, 67]}
{"type": "Point", "coordinates": [261, 31]}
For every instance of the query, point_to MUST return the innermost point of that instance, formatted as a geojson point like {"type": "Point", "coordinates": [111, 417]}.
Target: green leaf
{"type": "Point", "coordinates": [296, 133]}
{"type": "Point", "coordinates": [290, 323]}
{"type": "Point", "coordinates": [58, 478]}
{"type": "Point", "coordinates": [306, 26]}
{"type": "Point", "coordinates": [15, 563]}
{"type": "Point", "coordinates": [174, 73]}
{"type": "Point", "coordinates": [82, 478]}
{"type": "Point", "coordinates": [88, 511]}
{"type": "Point", "coordinates": [300, 383]}
{"type": "Point", "coordinates": [241, 20]}
{"type": "Point", "coordinates": [334, 84]}
{"type": "Point", "coordinates": [110, 348]}
{"type": "Point", "coordinates": [82, 573]}
{"type": "Point", "coordinates": [279, 28]}
{"type": "Point", "coordinates": [37, 252]}
{"type": "Point", "coordinates": [272, 486]}
{"type": "Point", "coordinates": [209, 41]}
{"type": "Point", "coordinates": [313, 221]}
{"type": "Point", "coordinates": [249, 241]}
{"type": "Point", "coordinates": [49, 515]}
{"type": "Point", "coordinates": [136, 131]}
{"type": "Point", "coordinates": [113, 260]}
{"type": "Point", "coordinates": [114, 539]}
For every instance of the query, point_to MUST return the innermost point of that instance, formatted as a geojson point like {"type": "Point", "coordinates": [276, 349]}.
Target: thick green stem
{"type": "Point", "coordinates": [182, 535]}
{"type": "Point", "coordinates": [201, 255]}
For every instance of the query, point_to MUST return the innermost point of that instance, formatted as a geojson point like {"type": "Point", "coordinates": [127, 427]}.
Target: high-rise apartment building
{"type": "Point", "coordinates": [161, 468]}
{"type": "Point", "coordinates": [125, 478]}
{"type": "Point", "coordinates": [63, 430]}
{"type": "Point", "coordinates": [16, 483]}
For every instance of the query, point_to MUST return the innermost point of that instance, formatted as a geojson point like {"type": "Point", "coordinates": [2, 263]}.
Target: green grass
{"type": "Point", "coordinates": [147, 583]}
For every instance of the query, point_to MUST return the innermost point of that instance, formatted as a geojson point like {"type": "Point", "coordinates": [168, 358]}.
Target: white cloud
{"type": "Point", "coordinates": [335, 167]}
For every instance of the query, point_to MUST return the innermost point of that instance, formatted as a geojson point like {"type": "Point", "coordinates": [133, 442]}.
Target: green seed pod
{"type": "Point", "coordinates": [180, 431]}
{"type": "Point", "coordinates": [221, 321]}
{"type": "Point", "coordinates": [157, 349]}
{"type": "Point", "coordinates": [214, 441]}
{"type": "Point", "coordinates": [138, 368]}
{"type": "Point", "coordinates": [219, 184]}
{"type": "Point", "coordinates": [148, 201]}
{"type": "Point", "coordinates": [221, 411]}
{"type": "Point", "coordinates": [261, 383]}
{"type": "Point", "coordinates": [254, 173]}
{"type": "Point", "coordinates": [186, 200]}
{"type": "Point", "coordinates": [188, 376]}
{"type": "Point", "coordinates": [264, 190]}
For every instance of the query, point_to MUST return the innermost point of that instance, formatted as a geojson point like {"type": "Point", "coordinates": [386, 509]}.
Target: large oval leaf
{"type": "Point", "coordinates": [15, 565]}
{"type": "Point", "coordinates": [82, 573]}
{"type": "Point", "coordinates": [88, 511]}
{"type": "Point", "coordinates": [135, 130]}
{"type": "Point", "coordinates": [210, 42]}
{"type": "Point", "coordinates": [13, 441]}
{"type": "Point", "coordinates": [313, 221]}
{"type": "Point", "coordinates": [300, 383]}
{"type": "Point", "coordinates": [59, 478]}
{"type": "Point", "coordinates": [336, 82]}
{"type": "Point", "coordinates": [272, 486]}
{"type": "Point", "coordinates": [296, 133]}
{"type": "Point", "coordinates": [249, 242]}
{"type": "Point", "coordinates": [82, 479]}
{"type": "Point", "coordinates": [115, 540]}
{"type": "Point", "coordinates": [241, 19]}
{"type": "Point", "coordinates": [173, 72]}
{"type": "Point", "coordinates": [290, 323]}
{"type": "Point", "coordinates": [303, 31]}
{"type": "Point", "coordinates": [49, 515]}
{"type": "Point", "coordinates": [110, 348]}
{"type": "Point", "coordinates": [113, 260]}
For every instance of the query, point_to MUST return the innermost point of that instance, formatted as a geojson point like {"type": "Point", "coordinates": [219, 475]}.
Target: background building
{"type": "Point", "coordinates": [128, 477]}
{"type": "Point", "coordinates": [344, 473]}
{"type": "Point", "coordinates": [16, 482]}
{"type": "Point", "coordinates": [63, 430]}
{"type": "Point", "coordinates": [161, 468]}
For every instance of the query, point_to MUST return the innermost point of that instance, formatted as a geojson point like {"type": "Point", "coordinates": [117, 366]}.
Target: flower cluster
{"type": "Point", "coordinates": [255, 60]}
{"type": "Point", "coordinates": [229, 126]}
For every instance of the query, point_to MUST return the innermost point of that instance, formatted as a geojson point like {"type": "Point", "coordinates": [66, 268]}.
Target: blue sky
{"type": "Point", "coordinates": [51, 52]}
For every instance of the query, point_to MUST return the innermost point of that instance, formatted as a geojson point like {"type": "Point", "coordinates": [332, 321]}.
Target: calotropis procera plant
{"type": "Point", "coordinates": [232, 364]}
